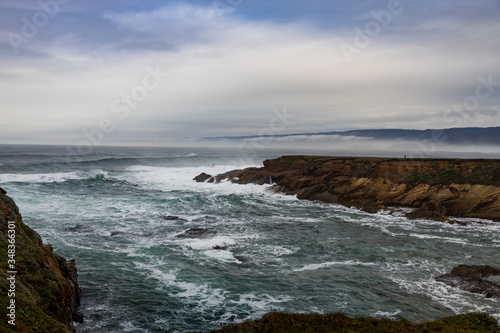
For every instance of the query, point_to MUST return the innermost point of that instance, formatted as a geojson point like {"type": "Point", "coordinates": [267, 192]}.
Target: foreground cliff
{"type": "Point", "coordinates": [43, 294]}
{"type": "Point", "coordinates": [279, 322]}
{"type": "Point", "coordinates": [437, 187]}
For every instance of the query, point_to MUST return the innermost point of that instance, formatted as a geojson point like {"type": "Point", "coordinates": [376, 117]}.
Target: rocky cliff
{"type": "Point", "coordinates": [437, 187]}
{"type": "Point", "coordinates": [43, 294]}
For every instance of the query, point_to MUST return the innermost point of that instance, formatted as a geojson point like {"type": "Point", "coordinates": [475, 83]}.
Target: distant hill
{"type": "Point", "coordinates": [455, 136]}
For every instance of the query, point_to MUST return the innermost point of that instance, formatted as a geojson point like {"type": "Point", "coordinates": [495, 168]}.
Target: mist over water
{"type": "Point", "coordinates": [276, 252]}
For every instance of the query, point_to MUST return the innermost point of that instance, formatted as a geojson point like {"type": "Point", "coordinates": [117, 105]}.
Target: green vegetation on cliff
{"type": "Point", "coordinates": [280, 322]}
{"type": "Point", "coordinates": [46, 292]}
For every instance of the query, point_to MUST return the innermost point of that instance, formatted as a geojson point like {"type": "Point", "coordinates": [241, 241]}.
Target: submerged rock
{"type": "Point", "coordinates": [197, 233]}
{"type": "Point", "coordinates": [172, 218]}
{"type": "Point", "coordinates": [78, 228]}
{"type": "Point", "coordinates": [475, 279]}
{"type": "Point", "coordinates": [240, 258]}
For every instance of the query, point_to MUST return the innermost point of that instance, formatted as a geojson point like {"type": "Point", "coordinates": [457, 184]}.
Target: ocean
{"type": "Point", "coordinates": [274, 252]}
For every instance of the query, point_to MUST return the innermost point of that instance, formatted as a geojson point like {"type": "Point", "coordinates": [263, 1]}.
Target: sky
{"type": "Point", "coordinates": [152, 72]}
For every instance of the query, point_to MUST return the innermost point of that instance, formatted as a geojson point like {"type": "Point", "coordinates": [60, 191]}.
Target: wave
{"type": "Point", "coordinates": [46, 177]}
{"type": "Point", "coordinates": [56, 177]}
{"type": "Point", "coordinates": [67, 163]}
{"type": "Point", "coordinates": [333, 263]}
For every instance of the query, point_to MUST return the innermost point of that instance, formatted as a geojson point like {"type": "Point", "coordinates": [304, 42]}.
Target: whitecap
{"type": "Point", "coordinates": [208, 243]}
{"type": "Point", "coordinates": [310, 267]}
{"type": "Point", "coordinates": [49, 177]}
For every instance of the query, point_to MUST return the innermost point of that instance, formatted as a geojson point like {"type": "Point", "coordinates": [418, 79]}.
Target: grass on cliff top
{"type": "Point", "coordinates": [340, 322]}
{"type": "Point", "coordinates": [437, 171]}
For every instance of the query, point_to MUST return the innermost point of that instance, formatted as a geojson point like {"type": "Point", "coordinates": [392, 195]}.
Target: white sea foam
{"type": "Point", "coordinates": [310, 267]}
{"type": "Point", "coordinates": [207, 243]}
{"type": "Point", "coordinates": [260, 302]}
{"type": "Point", "coordinates": [189, 291]}
{"type": "Point", "coordinates": [276, 251]}
{"type": "Point", "coordinates": [390, 315]}
{"type": "Point", "coordinates": [181, 179]}
{"type": "Point", "coordinates": [445, 239]}
{"type": "Point", "coordinates": [222, 255]}
{"type": "Point", "coordinates": [128, 326]}
{"type": "Point", "coordinates": [48, 177]}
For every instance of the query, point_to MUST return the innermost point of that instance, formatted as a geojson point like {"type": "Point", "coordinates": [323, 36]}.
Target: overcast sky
{"type": "Point", "coordinates": [241, 67]}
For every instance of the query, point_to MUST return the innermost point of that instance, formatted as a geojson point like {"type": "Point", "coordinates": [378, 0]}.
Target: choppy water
{"type": "Point", "coordinates": [103, 210]}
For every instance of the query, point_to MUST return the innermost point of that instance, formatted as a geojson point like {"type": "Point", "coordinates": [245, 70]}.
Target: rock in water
{"type": "Point", "coordinates": [172, 218]}
{"type": "Point", "coordinates": [475, 279]}
{"type": "Point", "coordinates": [202, 177]}
{"type": "Point", "coordinates": [197, 233]}
{"type": "Point", "coordinates": [430, 211]}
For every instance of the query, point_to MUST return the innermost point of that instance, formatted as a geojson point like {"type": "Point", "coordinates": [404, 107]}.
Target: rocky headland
{"type": "Point", "coordinates": [437, 188]}
{"type": "Point", "coordinates": [46, 294]}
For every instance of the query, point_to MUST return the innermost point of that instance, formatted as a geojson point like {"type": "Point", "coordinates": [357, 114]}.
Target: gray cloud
{"type": "Point", "coordinates": [228, 73]}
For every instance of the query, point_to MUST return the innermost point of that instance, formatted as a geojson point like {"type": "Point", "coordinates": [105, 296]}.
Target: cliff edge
{"type": "Point", "coordinates": [38, 288]}
{"type": "Point", "coordinates": [437, 187]}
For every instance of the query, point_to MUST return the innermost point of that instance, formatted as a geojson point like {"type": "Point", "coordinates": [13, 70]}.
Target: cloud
{"type": "Point", "coordinates": [228, 72]}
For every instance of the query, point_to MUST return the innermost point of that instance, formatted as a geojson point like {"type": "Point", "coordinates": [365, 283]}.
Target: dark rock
{"type": "Point", "coordinates": [230, 175]}
{"type": "Point", "coordinates": [3, 191]}
{"type": "Point", "coordinates": [74, 291]}
{"type": "Point", "coordinates": [116, 233]}
{"type": "Point", "coordinates": [241, 259]}
{"type": "Point", "coordinates": [197, 233]}
{"type": "Point", "coordinates": [450, 221]}
{"type": "Point", "coordinates": [202, 177]}
{"type": "Point", "coordinates": [172, 218]}
{"type": "Point", "coordinates": [78, 228]}
{"type": "Point", "coordinates": [218, 247]}
{"type": "Point", "coordinates": [429, 211]}
{"type": "Point", "coordinates": [475, 279]}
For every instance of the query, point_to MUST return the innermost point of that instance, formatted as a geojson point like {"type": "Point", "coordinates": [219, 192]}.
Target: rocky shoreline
{"type": "Point", "coordinates": [437, 188]}
{"type": "Point", "coordinates": [47, 294]}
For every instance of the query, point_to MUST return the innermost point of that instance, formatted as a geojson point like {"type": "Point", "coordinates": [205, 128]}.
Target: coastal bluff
{"type": "Point", "coordinates": [437, 187]}
{"type": "Point", "coordinates": [46, 294]}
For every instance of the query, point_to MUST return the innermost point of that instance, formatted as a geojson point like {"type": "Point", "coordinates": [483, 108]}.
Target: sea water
{"type": "Point", "coordinates": [276, 253]}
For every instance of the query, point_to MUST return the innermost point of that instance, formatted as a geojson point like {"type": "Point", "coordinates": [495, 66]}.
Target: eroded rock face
{"type": "Point", "coordinates": [456, 187]}
{"type": "Point", "coordinates": [47, 288]}
{"type": "Point", "coordinates": [475, 279]}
